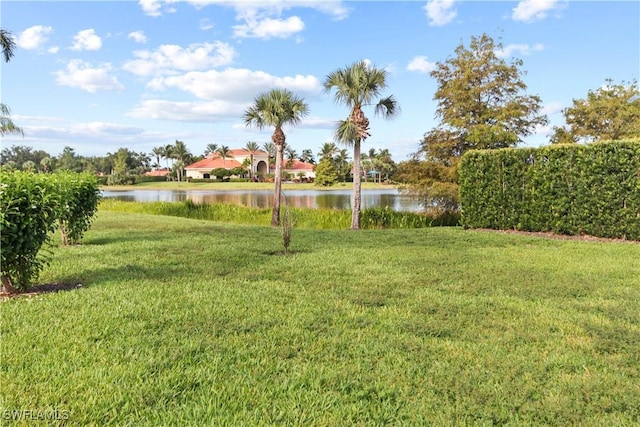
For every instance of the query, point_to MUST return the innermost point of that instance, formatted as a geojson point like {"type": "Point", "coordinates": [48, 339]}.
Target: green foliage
{"type": "Point", "coordinates": [221, 173]}
{"type": "Point", "coordinates": [610, 112]}
{"type": "Point", "coordinates": [481, 105]}
{"type": "Point", "coordinates": [28, 212]}
{"type": "Point", "coordinates": [79, 197]}
{"type": "Point", "coordinates": [326, 174]}
{"type": "Point", "coordinates": [568, 189]}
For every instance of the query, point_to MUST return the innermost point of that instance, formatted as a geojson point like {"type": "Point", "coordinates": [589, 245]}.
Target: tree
{"type": "Point", "coordinates": [342, 164]}
{"type": "Point", "coordinates": [158, 152]}
{"type": "Point", "coordinates": [357, 86]}
{"type": "Point", "coordinates": [8, 44]}
{"type": "Point", "coordinates": [291, 155]}
{"type": "Point", "coordinates": [68, 160]}
{"type": "Point", "coordinates": [223, 151]}
{"type": "Point", "coordinates": [481, 105]}
{"type": "Point", "coordinates": [326, 174]}
{"type": "Point", "coordinates": [276, 108]}
{"type": "Point", "coordinates": [181, 153]}
{"type": "Point", "coordinates": [6, 124]}
{"type": "Point", "coordinates": [252, 147]}
{"type": "Point", "coordinates": [307, 156]}
{"type": "Point", "coordinates": [609, 112]}
{"type": "Point", "coordinates": [210, 149]}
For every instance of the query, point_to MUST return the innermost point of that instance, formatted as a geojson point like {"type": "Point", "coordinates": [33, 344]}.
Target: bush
{"type": "Point", "coordinates": [28, 212]}
{"type": "Point", "coordinates": [568, 189]}
{"type": "Point", "coordinates": [79, 198]}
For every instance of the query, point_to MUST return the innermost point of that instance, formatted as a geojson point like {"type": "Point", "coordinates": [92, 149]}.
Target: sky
{"type": "Point", "coordinates": [97, 76]}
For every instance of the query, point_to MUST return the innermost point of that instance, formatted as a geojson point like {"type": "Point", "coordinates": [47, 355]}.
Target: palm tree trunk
{"type": "Point", "coordinates": [277, 179]}
{"type": "Point", "coordinates": [355, 199]}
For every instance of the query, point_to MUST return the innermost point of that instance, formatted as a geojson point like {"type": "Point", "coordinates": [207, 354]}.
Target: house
{"type": "Point", "coordinates": [300, 171]}
{"type": "Point", "coordinates": [158, 172]}
{"type": "Point", "coordinates": [235, 158]}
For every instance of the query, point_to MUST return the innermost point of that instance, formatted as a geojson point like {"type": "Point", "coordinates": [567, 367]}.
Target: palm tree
{"type": "Point", "coordinates": [159, 153]}
{"type": "Point", "coordinates": [291, 155]}
{"type": "Point", "coordinates": [342, 162]}
{"type": "Point", "coordinates": [252, 147]}
{"type": "Point", "coordinates": [328, 149]}
{"type": "Point", "coordinates": [6, 124]}
{"type": "Point", "coordinates": [276, 108]}
{"type": "Point", "coordinates": [181, 153]}
{"type": "Point", "coordinates": [223, 151]}
{"type": "Point", "coordinates": [307, 156]}
{"type": "Point", "coordinates": [8, 44]}
{"type": "Point", "coordinates": [270, 148]}
{"type": "Point", "coordinates": [168, 152]}
{"type": "Point", "coordinates": [211, 149]}
{"type": "Point", "coordinates": [357, 86]}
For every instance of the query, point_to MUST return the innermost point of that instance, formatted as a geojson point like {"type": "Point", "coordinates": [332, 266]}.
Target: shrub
{"type": "Point", "coordinates": [79, 198]}
{"type": "Point", "coordinates": [28, 213]}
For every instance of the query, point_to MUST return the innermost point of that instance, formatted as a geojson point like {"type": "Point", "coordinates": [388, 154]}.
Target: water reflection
{"type": "Point", "coordinates": [328, 199]}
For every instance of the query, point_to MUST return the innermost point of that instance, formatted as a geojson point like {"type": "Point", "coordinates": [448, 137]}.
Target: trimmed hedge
{"type": "Point", "coordinates": [566, 189]}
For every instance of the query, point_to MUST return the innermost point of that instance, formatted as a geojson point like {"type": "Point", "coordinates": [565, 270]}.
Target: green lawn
{"type": "Point", "coordinates": [189, 323]}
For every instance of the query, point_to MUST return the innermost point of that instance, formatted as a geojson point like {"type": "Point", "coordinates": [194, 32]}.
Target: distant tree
{"type": "Point", "coordinates": [341, 162]}
{"type": "Point", "coordinates": [21, 154]}
{"type": "Point", "coordinates": [68, 160]}
{"type": "Point", "coordinates": [328, 149]}
{"type": "Point", "coordinates": [481, 105]}
{"type": "Point", "coordinates": [221, 173]}
{"type": "Point", "coordinates": [276, 108]}
{"type": "Point", "coordinates": [358, 86]}
{"type": "Point", "coordinates": [182, 155]}
{"type": "Point", "coordinates": [291, 155]}
{"type": "Point", "coordinates": [210, 149]}
{"type": "Point", "coordinates": [29, 166]}
{"type": "Point", "coordinates": [252, 147]}
{"type": "Point", "coordinates": [158, 152]}
{"type": "Point", "coordinates": [270, 148]}
{"type": "Point", "coordinates": [562, 135]}
{"type": "Point", "coordinates": [609, 112]}
{"type": "Point", "coordinates": [223, 152]}
{"type": "Point", "coordinates": [307, 156]}
{"type": "Point", "coordinates": [47, 164]}
{"type": "Point", "coordinates": [326, 174]}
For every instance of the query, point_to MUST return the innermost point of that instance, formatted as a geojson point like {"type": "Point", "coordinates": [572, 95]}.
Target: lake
{"type": "Point", "coordinates": [325, 199]}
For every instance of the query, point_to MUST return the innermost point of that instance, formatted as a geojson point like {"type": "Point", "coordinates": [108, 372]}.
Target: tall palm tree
{"type": "Point", "coordinates": [159, 153]}
{"type": "Point", "coordinates": [270, 148]}
{"type": "Point", "coordinates": [357, 86]}
{"type": "Point", "coordinates": [223, 151]}
{"type": "Point", "coordinates": [252, 147]}
{"type": "Point", "coordinates": [276, 108]}
{"type": "Point", "coordinates": [307, 156]}
{"type": "Point", "coordinates": [168, 153]}
{"type": "Point", "coordinates": [292, 154]}
{"type": "Point", "coordinates": [210, 149]}
{"type": "Point", "coordinates": [342, 163]}
{"type": "Point", "coordinates": [8, 44]}
{"type": "Point", "coordinates": [181, 153]}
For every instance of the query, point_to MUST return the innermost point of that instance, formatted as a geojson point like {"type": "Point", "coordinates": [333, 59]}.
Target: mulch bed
{"type": "Point", "coordinates": [41, 289]}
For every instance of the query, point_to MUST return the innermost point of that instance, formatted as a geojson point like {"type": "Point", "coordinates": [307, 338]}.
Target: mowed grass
{"type": "Point", "coordinates": [188, 323]}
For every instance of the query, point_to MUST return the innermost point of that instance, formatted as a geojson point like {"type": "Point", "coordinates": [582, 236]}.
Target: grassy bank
{"type": "Point", "coordinates": [191, 322]}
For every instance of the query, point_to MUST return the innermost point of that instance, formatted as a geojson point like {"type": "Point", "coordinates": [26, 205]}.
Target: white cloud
{"type": "Point", "coordinates": [53, 49]}
{"type": "Point", "coordinates": [187, 111]}
{"type": "Point", "coordinates": [33, 37]}
{"type": "Point", "coordinates": [267, 28]}
{"type": "Point", "coordinates": [138, 37]}
{"type": "Point", "coordinates": [86, 40]}
{"type": "Point", "coordinates": [82, 75]}
{"type": "Point", "coordinates": [523, 49]}
{"type": "Point", "coordinates": [206, 24]}
{"type": "Point", "coordinates": [168, 59]}
{"type": "Point", "coordinates": [440, 12]}
{"type": "Point", "coordinates": [150, 7]}
{"type": "Point", "coordinates": [552, 108]}
{"type": "Point", "coordinates": [421, 64]}
{"type": "Point", "coordinates": [240, 85]}
{"type": "Point", "coordinates": [532, 10]}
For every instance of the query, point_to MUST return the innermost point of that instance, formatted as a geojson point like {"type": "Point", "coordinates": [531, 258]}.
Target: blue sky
{"type": "Point", "coordinates": [100, 75]}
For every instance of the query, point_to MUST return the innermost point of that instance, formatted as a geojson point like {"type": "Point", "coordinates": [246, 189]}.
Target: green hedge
{"type": "Point", "coordinates": [567, 189]}
{"type": "Point", "coordinates": [31, 207]}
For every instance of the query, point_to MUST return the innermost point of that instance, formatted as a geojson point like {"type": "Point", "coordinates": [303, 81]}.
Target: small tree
{"type": "Point", "coordinates": [326, 174]}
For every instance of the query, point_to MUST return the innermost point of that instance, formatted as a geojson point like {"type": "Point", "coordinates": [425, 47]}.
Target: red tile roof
{"type": "Point", "coordinates": [158, 172]}
{"type": "Point", "coordinates": [297, 164]}
{"type": "Point", "coordinates": [211, 163]}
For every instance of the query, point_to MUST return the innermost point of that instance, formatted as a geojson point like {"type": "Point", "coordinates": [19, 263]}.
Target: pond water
{"type": "Point", "coordinates": [326, 199]}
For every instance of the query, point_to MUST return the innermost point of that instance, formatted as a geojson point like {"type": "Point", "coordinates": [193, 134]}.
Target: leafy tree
{"type": "Point", "coordinates": [221, 173]}
{"type": "Point", "coordinates": [68, 160]}
{"type": "Point", "coordinates": [608, 113]}
{"type": "Point", "coordinates": [326, 174]}
{"type": "Point", "coordinates": [21, 154]}
{"type": "Point", "coordinates": [357, 86]}
{"type": "Point", "coordinates": [481, 105]}
{"type": "Point", "coordinates": [252, 147]}
{"type": "Point", "coordinates": [276, 108]}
